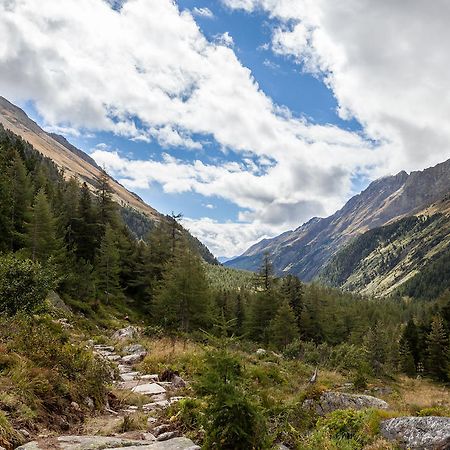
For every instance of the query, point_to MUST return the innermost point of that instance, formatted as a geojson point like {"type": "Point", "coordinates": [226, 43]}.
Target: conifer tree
{"type": "Point", "coordinates": [20, 198]}
{"type": "Point", "coordinates": [183, 300]}
{"type": "Point", "coordinates": [108, 266]}
{"type": "Point", "coordinates": [292, 290]}
{"type": "Point", "coordinates": [406, 360]}
{"type": "Point", "coordinates": [283, 327]}
{"type": "Point", "coordinates": [85, 228]}
{"type": "Point", "coordinates": [41, 238]}
{"type": "Point", "coordinates": [106, 206]}
{"type": "Point", "coordinates": [438, 350]}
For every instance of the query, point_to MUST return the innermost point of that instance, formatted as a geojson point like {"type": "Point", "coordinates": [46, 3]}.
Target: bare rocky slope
{"type": "Point", "coordinates": [75, 162]}
{"type": "Point", "coordinates": [306, 250]}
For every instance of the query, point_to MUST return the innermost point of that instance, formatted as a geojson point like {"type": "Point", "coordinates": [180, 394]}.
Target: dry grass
{"type": "Point", "coordinates": [414, 395]}
{"type": "Point", "coordinates": [181, 356]}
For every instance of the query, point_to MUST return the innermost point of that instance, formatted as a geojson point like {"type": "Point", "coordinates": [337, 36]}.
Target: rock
{"type": "Point", "coordinates": [89, 402]}
{"type": "Point", "coordinates": [148, 389]}
{"type": "Point", "coordinates": [75, 406]}
{"type": "Point", "coordinates": [133, 359]}
{"type": "Point", "coordinates": [178, 382]}
{"type": "Point", "coordinates": [260, 352]}
{"type": "Point", "coordinates": [134, 348]}
{"type": "Point", "coordinates": [180, 443]}
{"type": "Point", "coordinates": [126, 333]}
{"type": "Point", "coordinates": [414, 433]}
{"type": "Point", "coordinates": [166, 436]}
{"type": "Point", "coordinates": [160, 429]}
{"type": "Point", "coordinates": [129, 376]}
{"type": "Point", "coordinates": [55, 300]}
{"type": "Point", "coordinates": [113, 357]}
{"type": "Point", "coordinates": [81, 443]}
{"type": "Point", "coordinates": [104, 348]}
{"type": "Point", "coordinates": [330, 401]}
{"type": "Point", "coordinates": [156, 405]}
{"type": "Point", "coordinates": [153, 377]}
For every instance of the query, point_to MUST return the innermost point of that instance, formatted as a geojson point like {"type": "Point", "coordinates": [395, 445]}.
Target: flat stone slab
{"type": "Point", "coordinates": [129, 376]}
{"type": "Point", "coordinates": [179, 443]}
{"type": "Point", "coordinates": [83, 443]}
{"type": "Point", "coordinates": [148, 389]}
{"type": "Point", "coordinates": [331, 401]}
{"type": "Point", "coordinates": [418, 433]}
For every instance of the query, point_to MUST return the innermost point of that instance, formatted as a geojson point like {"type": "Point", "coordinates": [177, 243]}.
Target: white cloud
{"type": "Point", "coordinates": [385, 61]}
{"type": "Point", "coordinates": [203, 12]}
{"type": "Point", "coordinates": [225, 39]}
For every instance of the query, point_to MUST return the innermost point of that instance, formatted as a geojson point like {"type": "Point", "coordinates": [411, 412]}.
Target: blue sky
{"type": "Point", "coordinates": [247, 116]}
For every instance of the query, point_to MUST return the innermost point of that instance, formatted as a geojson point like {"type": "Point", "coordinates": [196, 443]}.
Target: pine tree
{"type": "Point", "coordinates": [183, 299]}
{"type": "Point", "coordinates": [41, 238]}
{"type": "Point", "coordinates": [292, 290]}
{"type": "Point", "coordinates": [106, 206]}
{"type": "Point", "coordinates": [21, 196]}
{"type": "Point", "coordinates": [283, 327]}
{"type": "Point", "coordinates": [411, 336]}
{"type": "Point", "coordinates": [85, 228]}
{"type": "Point", "coordinates": [264, 278]}
{"type": "Point", "coordinates": [108, 266]}
{"type": "Point", "coordinates": [438, 350]}
{"type": "Point", "coordinates": [406, 359]}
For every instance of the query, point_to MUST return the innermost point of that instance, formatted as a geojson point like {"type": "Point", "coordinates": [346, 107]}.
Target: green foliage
{"type": "Point", "coordinates": [283, 327]}
{"type": "Point", "coordinates": [438, 350]}
{"type": "Point", "coordinates": [183, 298]}
{"type": "Point", "coordinates": [24, 284]}
{"type": "Point", "coordinates": [233, 421]}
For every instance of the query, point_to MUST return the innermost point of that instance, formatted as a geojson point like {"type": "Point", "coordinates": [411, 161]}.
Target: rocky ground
{"type": "Point", "coordinates": [160, 394]}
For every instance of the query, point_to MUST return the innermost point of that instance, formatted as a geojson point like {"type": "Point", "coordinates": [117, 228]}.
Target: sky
{"type": "Point", "coordinates": [249, 117]}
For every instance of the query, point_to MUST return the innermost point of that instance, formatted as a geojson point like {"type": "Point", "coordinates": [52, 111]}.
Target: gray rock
{"type": "Point", "coordinates": [148, 389]}
{"type": "Point", "coordinates": [134, 348]}
{"type": "Point", "coordinates": [331, 401]}
{"type": "Point", "coordinates": [81, 443]}
{"type": "Point", "coordinates": [104, 348]}
{"type": "Point", "coordinates": [160, 429]}
{"type": "Point", "coordinates": [418, 433]}
{"type": "Point", "coordinates": [178, 382]}
{"type": "Point", "coordinates": [133, 359]}
{"type": "Point", "coordinates": [126, 333]}
{"type": "Point", "coordinates": [180, 443]}
{"type": "Point", "coordinates": [166, 436]}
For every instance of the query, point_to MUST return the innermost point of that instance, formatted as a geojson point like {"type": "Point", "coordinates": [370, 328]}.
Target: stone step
{"type": "Point", "coordinates": [108, 443]}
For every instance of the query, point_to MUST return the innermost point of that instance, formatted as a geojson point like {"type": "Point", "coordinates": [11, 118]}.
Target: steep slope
{"type": "Point", "coordinates": [67, 158]}
{"type": "Point", "coordinates": [306, 250]}
{"type": "Point", "coordinates": [384, 258]}
{"type": "Point", "coordinates": [139, 216]}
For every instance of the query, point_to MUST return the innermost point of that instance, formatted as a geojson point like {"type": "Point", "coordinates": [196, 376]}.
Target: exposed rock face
{"type": "Point", "coordinates": [418, 433]}
{"type": "Point", "coordinates": [331, 401]}
{"type": "Point", "coordinates": [134, 348]}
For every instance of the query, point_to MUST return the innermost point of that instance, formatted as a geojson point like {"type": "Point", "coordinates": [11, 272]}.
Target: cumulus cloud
{"type": "Point", "coordinates": [385, 62]}
{"type": "Point", "coordinates": [144, 70]}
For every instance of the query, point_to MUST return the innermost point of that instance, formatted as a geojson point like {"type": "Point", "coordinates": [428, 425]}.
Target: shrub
{"type": "Point", "coordinates": [24, 285]}
{"type": "Point", "coordinates": [233, 420]}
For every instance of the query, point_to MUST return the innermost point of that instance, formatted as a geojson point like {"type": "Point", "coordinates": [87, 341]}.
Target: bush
{"type": "Point", "coordinates": [24, 285]}
{"type": "Point", "coordinates": [233, 421]}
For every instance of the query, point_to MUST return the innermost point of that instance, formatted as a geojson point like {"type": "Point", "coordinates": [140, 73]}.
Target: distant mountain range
{"type": "Point", "coordinates": [137, 214]}
{"type": "Point", "coordinates": [380, 238]}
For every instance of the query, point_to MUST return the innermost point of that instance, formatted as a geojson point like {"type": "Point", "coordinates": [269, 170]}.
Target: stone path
{"type": "Point", "coordinates": [159, 394]}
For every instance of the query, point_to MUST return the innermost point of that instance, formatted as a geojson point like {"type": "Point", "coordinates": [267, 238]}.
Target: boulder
{"type": "Point", "coordinates": [134, 348]}
{"type": "Point", "coordinates": [133, 359]}
{"type": "Point", "coordinates": [166, 436]}
{"type": "Point", "coordinates": [148, 389]}
{"type": "Point", "coordinates": [414, 433]}
{"type": "Point", "coordinates": [331, 401]}
{"type": "Point", "coordinates": [178, 382]}
{"type": "Point", "coordinates": [126, 333]}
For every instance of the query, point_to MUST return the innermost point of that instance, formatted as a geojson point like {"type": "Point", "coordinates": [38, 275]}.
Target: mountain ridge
{"type": "Point", "coordinates": [305, 250]}
{"type": "Point", "coordinates": [75, 162]}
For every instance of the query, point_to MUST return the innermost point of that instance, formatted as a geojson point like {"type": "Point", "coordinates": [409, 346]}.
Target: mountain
{"type": "Point", "coordinates": [138, 215]}
{"type": "Point", "coordinates": [307, 250]}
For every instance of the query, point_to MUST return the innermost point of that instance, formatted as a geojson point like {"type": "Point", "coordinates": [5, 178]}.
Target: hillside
{"type": "Point", "coordinates": [307, 249]}
{"type": "Point", "coordinates": [139, 216]}
{"type": "Point", "coordinates": [384, 258]}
